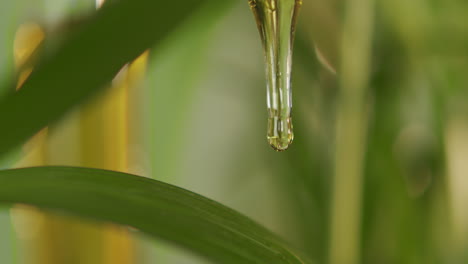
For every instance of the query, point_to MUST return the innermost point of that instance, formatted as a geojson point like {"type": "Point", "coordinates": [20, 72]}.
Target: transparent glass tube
{"type": "Point", "coordinates": [276, 21]}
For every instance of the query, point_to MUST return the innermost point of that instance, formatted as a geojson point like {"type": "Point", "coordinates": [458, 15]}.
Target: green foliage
{"type": "Point", "coordinates": [87, 60]}
{"type": "Point", "coordinates": [153, 207]}
{"type": "Point", "coordinates": [412, 104]}
{"type": "Point", "coordinates": [89, 57]}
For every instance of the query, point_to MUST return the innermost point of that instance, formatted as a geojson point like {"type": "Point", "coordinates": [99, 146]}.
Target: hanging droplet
{"type": "Point", "coordinates": [276, 21]}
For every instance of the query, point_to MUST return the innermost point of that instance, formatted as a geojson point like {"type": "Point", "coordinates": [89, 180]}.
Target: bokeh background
{"type": "Point", "coordinates": [378, 171]}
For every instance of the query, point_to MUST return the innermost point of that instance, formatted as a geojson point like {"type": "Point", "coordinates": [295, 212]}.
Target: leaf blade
{"type": "Point", "coordinates": [87, 60]}
{"type": "Point", "coordinates": [155, 208]}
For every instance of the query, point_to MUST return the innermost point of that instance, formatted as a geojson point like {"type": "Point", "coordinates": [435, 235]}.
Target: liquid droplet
{"type": "Point", "coordinates": [276, 21]}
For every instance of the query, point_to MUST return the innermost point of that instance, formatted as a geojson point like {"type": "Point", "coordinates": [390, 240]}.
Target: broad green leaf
{"type": "Point", "coordinates": [88, 58]}
{"type": "Point", "coordinates": [153, 207]}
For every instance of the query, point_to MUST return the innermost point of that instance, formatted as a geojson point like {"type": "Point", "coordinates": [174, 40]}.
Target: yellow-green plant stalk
{"type": "Point", "coordinates": [351, 127]}
{"type": "Point", "coordinates": [94, 136]}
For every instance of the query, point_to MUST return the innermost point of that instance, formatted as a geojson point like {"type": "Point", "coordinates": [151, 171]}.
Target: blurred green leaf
{"type": "Point", "coordinates": [167, 91]}
{"type": "Point", "coordinates": [153, 207]}
{"type": "Point", "coordinates": [88, 58]}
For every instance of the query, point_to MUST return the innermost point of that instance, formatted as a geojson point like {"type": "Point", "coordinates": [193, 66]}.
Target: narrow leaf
{"type": "Point", "coordinates": [88, 58]}
{"type": "Point", "coordinates": [153, 207]}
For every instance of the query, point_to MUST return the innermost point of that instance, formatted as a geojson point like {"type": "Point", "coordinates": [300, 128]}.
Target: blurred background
{"type": "Point", "coordinates": [377, 173]}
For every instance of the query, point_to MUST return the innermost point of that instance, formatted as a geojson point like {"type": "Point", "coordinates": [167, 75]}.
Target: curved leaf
{"type": "Point", "coordinates": [89, 57]}
{"type": "Point", "coordinates": [153, 207]}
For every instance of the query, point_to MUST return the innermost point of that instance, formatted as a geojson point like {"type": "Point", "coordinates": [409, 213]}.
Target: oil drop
{"type": "Point", "coordinates": [276, 21]}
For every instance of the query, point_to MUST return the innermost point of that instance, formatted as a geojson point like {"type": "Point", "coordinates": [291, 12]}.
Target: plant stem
{"type": "Point", "coordinates": [350, 133]}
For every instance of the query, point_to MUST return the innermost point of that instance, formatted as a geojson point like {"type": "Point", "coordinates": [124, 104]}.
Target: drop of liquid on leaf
{"type": "Point", "coordinates": [276, 21]}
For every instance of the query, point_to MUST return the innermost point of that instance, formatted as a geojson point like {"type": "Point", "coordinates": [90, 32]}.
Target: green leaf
{"type": "Point", "coordinates": [167, 91]}
{"type": "Point", "coordinates": [87, 60]}
{"type": "Point", "coordinates": [153, 207]}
